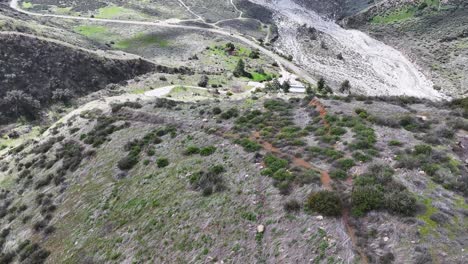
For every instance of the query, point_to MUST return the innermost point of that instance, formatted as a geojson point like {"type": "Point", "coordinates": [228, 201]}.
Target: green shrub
{"type": "Point", "coordinates": [217, 169]}
{"type": "Point", "coordinates": [337, 131]}
{"type": "Point", "coordinates": [207, 151]}
{"type": "Point", "coordinates": [366, 198]}
{"type": "Point", "coordinates": [395, 143]}
{"type": "Point", "coordinates": [191, 150]}
{"type": "Point", "coordinates": [283, 175]}
{"type": "Point", "coordinates": [209, 182]}
{"type": "Point", "coordinates": [150, 152]}
{"type": "Point", "coordinates": [327, 203]}
{"type": "Point", "coordinates": [422, 149]}
{"type": "Point", "coordinates": [116, 107]}
{"type": "Point", "coordinates": [413, 124]}
{"type": "Point", "coordinates": [359, 156]}
{"type": "Point", "coordinates": [274, 164]}
{"type": "Point", "coordinates": [345, 164]}
{"type": "Point", "coordinates": [307, 177]}
{"type": "Point", "coordinates": [338, 174]}
{"type": "Point", "coordinates": [127, 162]}
{"type": "Point", "coordinates": [162, 162]}
{"type": "Point", "coordinates": [230, 113]}
{"type": "Point", "coordinates": [276, 105]}
{"type": "Point", "coordinates": [400, 202]}
{"type": "Point", "coordinates": [361, 113]}
{"type": "Point", "coordinates": [216, 111]}
{"type": "Point", "coordinates": [249, 145]}
{"type": "Point", "coordinates": [249, 216]}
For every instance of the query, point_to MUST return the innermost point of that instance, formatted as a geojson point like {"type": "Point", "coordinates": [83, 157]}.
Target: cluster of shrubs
{"type": "Point", "coordinates": [248, 145]}
{"type": "Point", "coordinates": [327, 203]}
{"type": "Point", "coordinates": [116, 107]}
{"type": "Point", "coordinates": [230, 113]}
{"type": "Point", "coordinates": [27, 252]}
{"type": "Point", "coordinates": [277, 169]}
{"type": "Point", "coordinates": [336, 127]}
{"type": "Point", "coordinates": [204, 151]}
{"type": "Point", "coordinates": [71, 153]}
{"type": "Point", "coordinates": [165, 103]}
{"type": "Point", "coordinates": [437, 164]}
{"type": "Point", "coordinates": [327, 153]}
{"type": "Point", "coordinates": [292, 206]}
{"type": "Point", "coordinates": [46, 208]}
{"type": "Point", "coordinates": [376, 189]}
{"type": "Point", "coordinates": [210, 181]}
{"type": "Point", "coordinates": [135, 147]}
{"type": "Point", "coordinates": [341, 168]}
{"type": "Point", "coordinates": [101, 131]}
{"type": "Point", "coordinates": [407, 122]}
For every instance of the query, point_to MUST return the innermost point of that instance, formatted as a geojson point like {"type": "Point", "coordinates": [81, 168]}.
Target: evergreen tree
{"type": "Point", "coordinates": [286, 86]}
{"type": "Point", "coordinates": [239, 71]}
{"type": "Point", "coordinates": [345, 87]}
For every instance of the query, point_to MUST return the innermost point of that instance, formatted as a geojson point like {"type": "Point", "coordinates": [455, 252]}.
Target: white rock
{"type": "Point", "coordinates": [385, 239]}
{"type": "Point", "coordinates": [319, 217]}
{"type": "Point", "coordinates": [260, 229]}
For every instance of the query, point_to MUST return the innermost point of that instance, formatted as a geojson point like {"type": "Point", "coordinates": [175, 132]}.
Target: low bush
{"type": "Point", "coordinates": [360, 156]}
{"type": "Point", "coordinates": [249, 145]}
{"type": "Point", "coordinates": [208, 182]}
{"type": "Point", "coordinates": [230, 113]}
{"type": "Point", "coordinates": [292, 206]}
{"type": "Point", "coordinates": [413, 124]}
{"type": "Point", "coordinates": [338, 174]}
{"type": "Point", "coordinates": [127, 162]}
{"type": "Point", "coordinates": [395, 143]}
{"type": "Point", "coordinates": [118, 106]}
{"type": "Point", "coordinates": [345, 164]}
{"type": "Point", "coordinates": [273, 164]}
{"type": "Point", "coordinates": [327, 203]}
{"type": "Point", "coordinates": [72, 154]}
{"type": "Point", "coordinates": [361, 113]}
{"type": "Point", "coordinates": [400, 202]}
{"type": "Point", "coordinates": [191, 150]}
{"type": "Point", "coordinates": [207, 151]}
{"type": "Point", "coordinates": [366, 198]}
{"type": "Point", "coordinates": [216, 111]}
{"type": "Point", "coordinates": [162, 162]}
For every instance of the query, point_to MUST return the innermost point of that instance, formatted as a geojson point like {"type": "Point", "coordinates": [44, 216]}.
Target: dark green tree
{"type": "Point", "coordinates": [203, 81]}
{"type": "Point", "coordinates": [286, 86]}
{"type": "Point", "coordinates": [239, 71]}
{"type": "Point", "coordinates": [309, 91]}
{"type": "Point", "coordinates": [345, 87]}
{"type": "Point", "coordinates": [273, 86]}
{"type": "Point", "coordinates": [20, 103]}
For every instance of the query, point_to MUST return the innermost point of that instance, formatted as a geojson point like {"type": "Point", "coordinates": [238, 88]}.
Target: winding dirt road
{"type": "Point", "coordinates": [280, 60]}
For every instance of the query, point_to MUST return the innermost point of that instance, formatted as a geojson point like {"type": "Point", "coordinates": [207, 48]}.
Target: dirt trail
{"type": "Point", "coordinates": [280, 60]}
{"type": "Point", "coordinates": [326, 183]}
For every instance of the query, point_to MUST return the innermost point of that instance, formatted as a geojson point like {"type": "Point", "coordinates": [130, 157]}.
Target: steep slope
{"type": "Point", "coordinates": [43, 67]}
{"type": "Point", "coordinates": [227, 181]}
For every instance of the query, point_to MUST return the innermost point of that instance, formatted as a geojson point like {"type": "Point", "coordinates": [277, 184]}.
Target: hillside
{"type": "Point", "coordinates": [234, 131]}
